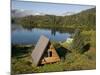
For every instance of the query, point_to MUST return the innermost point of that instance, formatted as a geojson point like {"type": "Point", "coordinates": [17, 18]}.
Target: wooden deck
{"type": "Point", "coordinates": [50, 60]}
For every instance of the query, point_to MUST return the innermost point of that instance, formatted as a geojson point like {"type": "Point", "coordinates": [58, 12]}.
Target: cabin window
{"type": "Point", "coordinates": [49, 53]}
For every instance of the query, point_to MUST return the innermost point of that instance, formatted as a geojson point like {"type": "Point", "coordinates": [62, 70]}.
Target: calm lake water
{"type": "Point", "coordinates": [20, 35]}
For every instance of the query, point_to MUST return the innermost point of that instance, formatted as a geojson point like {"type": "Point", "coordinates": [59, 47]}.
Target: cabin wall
{"type": "Point", "coordinates": [54, 58]}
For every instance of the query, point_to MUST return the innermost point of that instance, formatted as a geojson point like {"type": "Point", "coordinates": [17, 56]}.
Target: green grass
{"type": "Point", "coordinates": [90, 37]}
{"type": "Point", "coordinates": [22, 62]}
{"type": "Point", "coordinates": [73, 61]}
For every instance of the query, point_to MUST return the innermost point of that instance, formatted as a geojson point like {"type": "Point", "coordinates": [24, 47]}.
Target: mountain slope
{"type": "Point", "coordinates": [86, 18]}
{"type": "Point", "coordinates": [23, 13]}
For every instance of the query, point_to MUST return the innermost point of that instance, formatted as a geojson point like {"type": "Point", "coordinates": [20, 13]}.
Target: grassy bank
{"type": "Point", "coordinates": [22, 61]}
{"type": "Point", "coordinates": [73, 61]}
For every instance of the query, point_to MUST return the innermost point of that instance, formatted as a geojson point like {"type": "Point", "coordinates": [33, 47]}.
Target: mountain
{"type": "Point", "coordinates": [23, 13]}
{"type": "Point", "coordinates": [87, 11]}
{"type": "Point", "coordinates": [85, 19]}
{"type": "Point", "coordinates": [68, 13]}
{"type": "Point", "coordinates": [92, 10]}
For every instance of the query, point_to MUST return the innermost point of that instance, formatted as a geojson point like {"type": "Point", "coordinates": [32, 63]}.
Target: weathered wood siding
{"type": "Point", "coordinates": [55, 57]}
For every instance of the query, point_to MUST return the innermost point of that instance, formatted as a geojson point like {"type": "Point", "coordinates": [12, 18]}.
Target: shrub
{"type": "Point", "coordinates": [78, 41]}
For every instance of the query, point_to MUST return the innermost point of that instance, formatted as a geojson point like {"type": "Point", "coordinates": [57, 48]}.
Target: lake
{"type": "Point", "coordinates": [20, 35]}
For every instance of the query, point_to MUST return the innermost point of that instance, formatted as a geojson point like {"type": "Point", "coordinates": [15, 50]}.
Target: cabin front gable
{"type": "Point", "coordinates": [44, 52]}
{"type": "Point", "coordinates": [50, 55]}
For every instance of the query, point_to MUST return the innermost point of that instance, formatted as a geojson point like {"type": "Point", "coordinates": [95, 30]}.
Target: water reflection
{"type": "Point", "coordinates": [22, 35]}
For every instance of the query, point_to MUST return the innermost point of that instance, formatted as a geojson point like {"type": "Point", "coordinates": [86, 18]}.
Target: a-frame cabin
{"type": "Point", "coordinates": [44, 52]}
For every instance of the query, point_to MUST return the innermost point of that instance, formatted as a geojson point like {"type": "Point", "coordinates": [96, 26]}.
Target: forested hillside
{"type": "Point", "coordinates": [84, 19]}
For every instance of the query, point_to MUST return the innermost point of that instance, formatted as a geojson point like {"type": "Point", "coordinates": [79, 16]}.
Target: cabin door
{"type": "Point", "coordinates": [49, 53]}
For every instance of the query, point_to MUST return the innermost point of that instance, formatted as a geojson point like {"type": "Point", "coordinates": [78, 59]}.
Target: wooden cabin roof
{"type": "Point", "coordinates": [39, 49]}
